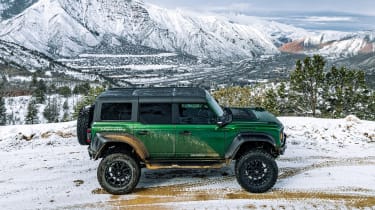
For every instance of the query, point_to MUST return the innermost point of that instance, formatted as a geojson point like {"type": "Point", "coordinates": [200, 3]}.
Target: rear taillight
{"type": "Point", "coordinates": [88, 138]}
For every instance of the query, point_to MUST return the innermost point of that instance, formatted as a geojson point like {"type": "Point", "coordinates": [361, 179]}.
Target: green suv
{"type": "Point", "coordinates": [178, 128]}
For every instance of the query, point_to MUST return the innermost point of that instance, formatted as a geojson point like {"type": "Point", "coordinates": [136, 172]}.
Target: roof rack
{"type": "Point", "coordinates": [154, 92]}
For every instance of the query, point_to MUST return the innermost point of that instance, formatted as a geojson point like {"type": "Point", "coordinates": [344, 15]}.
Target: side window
{"type": "Point", "coordinates": [195, 114]}
{"type": "Point", "coordinates": [152, 113]}
{"type": "Point", "coordinates": [242, 114]}
{"type": "Point", "coordinates": [116, 111]}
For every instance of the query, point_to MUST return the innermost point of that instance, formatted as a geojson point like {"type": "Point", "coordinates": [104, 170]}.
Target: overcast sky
{"type": "Point", "coordinates": [364, 7]}
{"type": "Point", "coordinates": [341, 15]}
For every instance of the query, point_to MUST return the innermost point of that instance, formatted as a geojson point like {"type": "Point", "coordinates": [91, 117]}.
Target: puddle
{"type": "Point", "coordinates": [158, 198]}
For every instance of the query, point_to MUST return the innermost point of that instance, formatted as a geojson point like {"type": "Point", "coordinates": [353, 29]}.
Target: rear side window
{"type": "Point", "coordinates": [152, 113]}
{"type": "Point", "coordinates": [116, 111]}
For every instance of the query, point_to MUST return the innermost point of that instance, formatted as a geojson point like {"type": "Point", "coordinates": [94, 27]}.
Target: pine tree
{"type": "Point", "coordinates": [88, 99]}
{"type": "Point", "coordinates": [283, 103]}
{"type": "Point", "coordinates": [370, 115]}
{"type": "Point", "coordinates": [306, 81]}
{"type": "Point", "coordinates": [52, 111]}
{"type": "Point", "coordinates": [82, 89]}
{"type": "Point", "coordinates": [34, 80]}
{"type": "Point", "coordinates": [32, 112]}
{"type": "Point", "coordinates": [64, 91]}
{"type": "Point", "coordinates": [66, 116]}
{"type": "Point", "coordinates": [345, 93]}
{"type": "Point", "coordinates": [40, 92]}
{"type": "Point", "coordinates": [3, 115]}
{"type": "Point", "coordinates": [270, 102]}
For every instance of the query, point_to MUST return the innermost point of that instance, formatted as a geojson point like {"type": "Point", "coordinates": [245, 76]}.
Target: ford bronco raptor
{"type": "Point", "coordinates": [131, 128]}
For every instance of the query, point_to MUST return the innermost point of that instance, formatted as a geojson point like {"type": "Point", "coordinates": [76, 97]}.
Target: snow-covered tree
{"type": "Point", "coordinates": [3, 115]}
{"type": "Point", "coordinates": [345, 92]}
{"type": "Point", "coordinates": [283, 101]}
{"type": "Point", "coordinates": [88, 99]}
{"type": "Point", "coordinates": [40, 92]}
{"type": "Point", "coordinates": [64, 91]}
{"type": "Point", "coordinates": [82, 89]}
{"type": "Point", "coordinates": [52, 111]}
{"type": "Point", "coordinates": [32, 112]}
{"type": "Point", "coordinates": [66, 116]}
{"type": "Point", "coordinates": [270, 102]}
{"type": "Point", "coordinates": [306, 81]}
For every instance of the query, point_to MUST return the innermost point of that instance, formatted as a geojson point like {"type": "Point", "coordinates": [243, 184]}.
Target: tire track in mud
{"type": "Point", "coordinates": [162, 197]}
{"type": "Point", "coordinates": [159, 197]}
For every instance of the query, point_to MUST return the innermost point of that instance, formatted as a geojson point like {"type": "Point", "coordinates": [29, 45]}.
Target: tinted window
{"type": "Point", "coordinates": [150, 113]}
{"type": "Point", "coordinates": [195, 114]}
{"type": "Point", "coordinates": [242, 114]}
{"type": "Point", "coordinates": [116, 111]}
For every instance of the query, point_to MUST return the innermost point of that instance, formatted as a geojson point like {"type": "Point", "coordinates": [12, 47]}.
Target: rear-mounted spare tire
{"type": "Point", "coordinates": [84, 120]}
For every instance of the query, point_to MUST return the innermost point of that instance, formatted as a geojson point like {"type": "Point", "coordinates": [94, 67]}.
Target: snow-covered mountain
{"type": "Point", "coordinates": [333, 43]}
{"type": "Point", "coordinates": [67, 28]}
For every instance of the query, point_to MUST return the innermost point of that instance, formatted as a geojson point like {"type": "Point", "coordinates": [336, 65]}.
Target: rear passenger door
{"type": "Point", "coordinates": [155, 128]}
{"type": "Point", "coordinates": [115, 116]}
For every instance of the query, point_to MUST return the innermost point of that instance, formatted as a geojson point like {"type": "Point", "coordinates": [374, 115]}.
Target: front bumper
{"type": "Point", "coordinates": [283, 146]}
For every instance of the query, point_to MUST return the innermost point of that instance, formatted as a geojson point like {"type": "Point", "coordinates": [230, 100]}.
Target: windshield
{"type": "Point", "coordinates": [214, 105]}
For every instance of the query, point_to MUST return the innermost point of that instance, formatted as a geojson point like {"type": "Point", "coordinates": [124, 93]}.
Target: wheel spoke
{"type": "Point", "coordinates": [118, 174]}
{"type": "Point", "coordinates": [257, 172]}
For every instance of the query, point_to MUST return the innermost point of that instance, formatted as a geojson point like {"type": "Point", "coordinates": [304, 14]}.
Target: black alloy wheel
{"type": "Point", "coordinates": [119, 173]}
{"type": "Point", "coordinates": [256, 171]}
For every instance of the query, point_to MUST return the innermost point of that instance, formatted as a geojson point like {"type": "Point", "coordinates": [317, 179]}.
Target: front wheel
{"type": "Point", "coordinates": [118, 173]}
{"type": "Point", "coordinates": [256, 171]}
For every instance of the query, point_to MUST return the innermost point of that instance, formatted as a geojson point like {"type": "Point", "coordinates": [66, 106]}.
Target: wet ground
{"type": "Point", "coordinates": [218, 189]}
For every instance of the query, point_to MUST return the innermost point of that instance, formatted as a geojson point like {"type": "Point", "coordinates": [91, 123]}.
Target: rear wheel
{"type": "Point", "coordinates": [118, 173]}
{"type": "Point", "coordinates": [83, 123]}
{"type": "Point", "coordinates": [256, 171]}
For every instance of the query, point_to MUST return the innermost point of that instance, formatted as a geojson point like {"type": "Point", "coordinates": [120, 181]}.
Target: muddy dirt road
{"type": "Point", "coordinates": [218, 189]}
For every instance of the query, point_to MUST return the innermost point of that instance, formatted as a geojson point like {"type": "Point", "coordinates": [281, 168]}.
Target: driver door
{"type": "Point", "coordinates": [197, 134]}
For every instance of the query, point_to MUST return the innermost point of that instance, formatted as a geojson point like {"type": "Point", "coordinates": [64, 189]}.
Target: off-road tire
{"type": "Point", "coordinates": [256, 171]}
{"type": "Point", "coordinates": [83, 123]}
{"type": "Point", "coordinates": [118, 173]}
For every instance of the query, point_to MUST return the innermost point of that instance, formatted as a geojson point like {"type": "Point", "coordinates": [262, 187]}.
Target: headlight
{"type": "Point", "coordinates": [282, 137]}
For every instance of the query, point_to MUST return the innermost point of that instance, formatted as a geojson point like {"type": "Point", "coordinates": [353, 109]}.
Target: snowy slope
{"type": "Point", "coordinates": [329, 164]}
{"type": "Point", "coordinates": [209, 35]}
{"type": "Point", "coordinates": [29, 60]}
{"type": "Point", "coordinates": [47, 28]}
{"type": "Point", "coordinates": [10, 8]}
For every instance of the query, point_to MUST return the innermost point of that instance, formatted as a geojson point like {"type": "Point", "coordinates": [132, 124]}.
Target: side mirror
{"type": "Point", "coordinates": [225, 119]}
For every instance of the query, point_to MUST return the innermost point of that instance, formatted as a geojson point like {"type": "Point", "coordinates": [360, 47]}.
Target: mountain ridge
{"type": "Point", "coordinates": [66, 28]}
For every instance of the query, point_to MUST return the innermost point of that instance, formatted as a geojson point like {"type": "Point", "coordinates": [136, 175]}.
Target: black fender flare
{"type": "Point", "coordinates": [102, 139]}
{"type": "Point", "coordinates": [242, 138]}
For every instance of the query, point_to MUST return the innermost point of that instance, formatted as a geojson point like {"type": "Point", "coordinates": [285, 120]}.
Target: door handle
{"type": "Point", "coordinates": [142, 133]}
{"type": "Point", "coordinates": [185, 133]}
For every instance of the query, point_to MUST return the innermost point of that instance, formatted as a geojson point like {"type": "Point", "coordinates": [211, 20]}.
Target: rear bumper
{"type": "Point", "coordinates": [91, 152]}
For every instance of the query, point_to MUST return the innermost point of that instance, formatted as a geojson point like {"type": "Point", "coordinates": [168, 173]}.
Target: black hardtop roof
{"type": "Point", "coordinates": [154, 92]}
